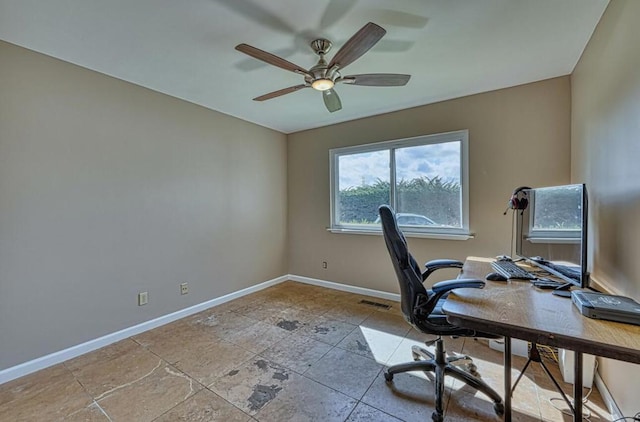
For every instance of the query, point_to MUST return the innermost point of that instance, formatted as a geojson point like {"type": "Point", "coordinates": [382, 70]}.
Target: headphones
{"type": "Point", "coordinates": [516, 203]}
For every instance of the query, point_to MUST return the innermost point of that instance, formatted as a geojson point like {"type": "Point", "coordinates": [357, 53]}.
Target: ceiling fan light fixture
{"type": "Point", "coordinates": [322, 84]}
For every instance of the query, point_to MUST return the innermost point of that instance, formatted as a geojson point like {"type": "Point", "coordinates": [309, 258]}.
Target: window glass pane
{"type": "Point", "coordinates": [558, 209]}
{"type": "Point", "coordinates": [428, 185]}
{"type": "Point", "coordinates": [363, 185]}
{"type": "Point", "coordinates": [422, 178]}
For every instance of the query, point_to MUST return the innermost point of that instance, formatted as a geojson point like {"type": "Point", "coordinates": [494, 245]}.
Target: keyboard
{"type": "Point", "coordinates": [572, 272]}
{"type": "Point", "coordinates": [510, 270]}
{"type": "Point", "coordinates": [544, 284]}
{"type": "Point", "coordinates": [567, 271]}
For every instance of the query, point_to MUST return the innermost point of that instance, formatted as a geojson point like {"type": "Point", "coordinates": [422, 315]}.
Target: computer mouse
{"type": "Point", "coordinates": [496, 277]}
{"type": "Point", "coordinates": [503, 258]}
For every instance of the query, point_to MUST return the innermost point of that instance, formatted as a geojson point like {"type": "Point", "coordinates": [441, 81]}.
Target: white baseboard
{"type": "Point", "coordinates": [345, 287]}
{"type": "Point", "coordinates": [613, 408]}
{"type": "Point", "coordinates": [80, 349]}
{"type": "Point", "coordinates": [37, 364]}
{"type": "Point", "coordinates": [46, 361]}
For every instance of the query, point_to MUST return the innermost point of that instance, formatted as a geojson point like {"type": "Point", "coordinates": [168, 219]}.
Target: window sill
{"type": "Point", "coordinates": [559, 240]}
{"type": "Point", "coordinates": [441, 236]}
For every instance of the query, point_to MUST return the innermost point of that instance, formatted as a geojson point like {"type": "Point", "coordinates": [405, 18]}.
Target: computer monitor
{"type": "Point", "coordinates": [551, 232]}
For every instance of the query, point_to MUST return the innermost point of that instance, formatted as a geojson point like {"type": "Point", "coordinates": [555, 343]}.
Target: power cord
{"type": "Point", "coordinates": [550, 353]}
{"type": "Point", "coordinates": [513, 222]}
{"type": "Point", "coordinates": [635, 417]}
{"type": "Point", "coordinates": [585, 399]}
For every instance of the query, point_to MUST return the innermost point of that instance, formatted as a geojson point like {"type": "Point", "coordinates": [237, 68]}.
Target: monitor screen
{"type": "Point", "coordinates": [552, 231]}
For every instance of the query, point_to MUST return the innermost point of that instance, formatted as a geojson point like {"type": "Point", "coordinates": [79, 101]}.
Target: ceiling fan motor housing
{"type": "Point", "coordinates": [321, 46]}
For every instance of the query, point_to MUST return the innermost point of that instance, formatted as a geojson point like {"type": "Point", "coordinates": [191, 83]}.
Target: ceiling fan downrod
{"type": "Point", "coordinates": [321, 78]}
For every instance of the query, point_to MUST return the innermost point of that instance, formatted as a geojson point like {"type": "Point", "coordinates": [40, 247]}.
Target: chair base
{"type": "Point", "coordinates": [441, 366]}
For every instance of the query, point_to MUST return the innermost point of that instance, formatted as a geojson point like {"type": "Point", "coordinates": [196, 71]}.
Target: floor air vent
{"type": "Point", "coordinates": [376, 304]}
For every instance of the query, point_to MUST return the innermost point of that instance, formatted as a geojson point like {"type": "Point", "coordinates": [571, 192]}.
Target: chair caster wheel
{"type": "Point", "coordinates": [388, 377]}
{"type": "Point", "coordinates": [416, 357]}
{"type": "Point", "coordinates": [499, 408]}
{"type": "Point", "coordinates": [436, 417]}
{"type": "Point", "coordinates": [473, 369]}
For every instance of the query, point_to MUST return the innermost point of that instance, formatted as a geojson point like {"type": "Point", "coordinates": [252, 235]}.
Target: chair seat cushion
{"type": "Point", "coordinates": [436, 323]}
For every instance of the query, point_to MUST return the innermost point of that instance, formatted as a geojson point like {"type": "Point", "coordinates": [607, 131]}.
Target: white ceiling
{"type": "Point", "coordinates": [185, 49]}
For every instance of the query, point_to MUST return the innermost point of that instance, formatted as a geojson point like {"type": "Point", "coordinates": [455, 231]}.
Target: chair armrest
{"type": "Point", "coordinates": [445, 286]}
{"type": "Point", "coordinates": [442, 288]}
{"type": "Point", "coordinates": [439, 264]}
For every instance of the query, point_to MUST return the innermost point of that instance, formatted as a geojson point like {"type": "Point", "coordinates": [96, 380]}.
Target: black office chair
{"type": "Point", "coordinates": [422, 308]}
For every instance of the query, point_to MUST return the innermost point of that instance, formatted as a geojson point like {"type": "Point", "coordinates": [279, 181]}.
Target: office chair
{"type": "Point", "coordinates": [422, 308]}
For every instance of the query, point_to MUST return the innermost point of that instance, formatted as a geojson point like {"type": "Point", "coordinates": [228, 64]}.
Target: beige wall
{"type": "Point", "coordinates": [517, 136]}
{"type": "Point", "coordinates": [108, 189]}
{"type": "Point", "coordinates": [605, 145]}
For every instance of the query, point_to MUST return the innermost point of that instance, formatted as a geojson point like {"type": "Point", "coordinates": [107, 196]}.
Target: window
{"type": "Point", "coordinates": [424, 179]}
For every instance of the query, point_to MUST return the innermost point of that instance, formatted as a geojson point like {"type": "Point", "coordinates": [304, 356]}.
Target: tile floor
{"type": "Point", "coordinates": [290, 352]}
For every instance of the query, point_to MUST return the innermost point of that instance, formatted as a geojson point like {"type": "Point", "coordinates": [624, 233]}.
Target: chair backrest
{"type": "Point", "coordinates": [407, 269]}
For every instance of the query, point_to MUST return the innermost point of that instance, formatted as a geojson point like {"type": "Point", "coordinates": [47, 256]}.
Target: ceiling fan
{"type": "Point", "coordinates": [323, 76]}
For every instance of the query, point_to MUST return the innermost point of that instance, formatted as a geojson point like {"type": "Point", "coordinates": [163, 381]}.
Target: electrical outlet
{"type": "Point", "coordinates": [324, 264]}
{"type": "Point", "coordinates": [143, 298]}
{"type": "Point", "coordinates": [184, 288]}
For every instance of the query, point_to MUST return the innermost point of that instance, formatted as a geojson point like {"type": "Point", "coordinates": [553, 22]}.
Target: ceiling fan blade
{"type": "Point", "coordinates": [280, 92]}
{"type": "Point", "coordinates": [335, 10]}
{"type": "Point", "coordinates": [394, 46]}
{"type": "Point", "coordinates": [357, 45]}
{"type": "Point", "coordinates": [331, 100]}
{"type": "Point", "coordinates": [270, 58]}
{"type": "Point", "coordinates": [377, 79]}
{"type": "Point", "coordinates": [249, 64]}
{"type": "Point", "coordinates": [258, 14]}
{"type": "Point", "coordinates": [397, 18]}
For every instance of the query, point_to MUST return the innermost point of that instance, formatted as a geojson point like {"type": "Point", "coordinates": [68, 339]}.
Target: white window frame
{"type": "Point", "coordinates": [455, 233]}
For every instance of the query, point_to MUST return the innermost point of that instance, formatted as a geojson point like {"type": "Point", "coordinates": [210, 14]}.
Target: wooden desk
{"type": "Point", "coordinates": [517, 309]}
